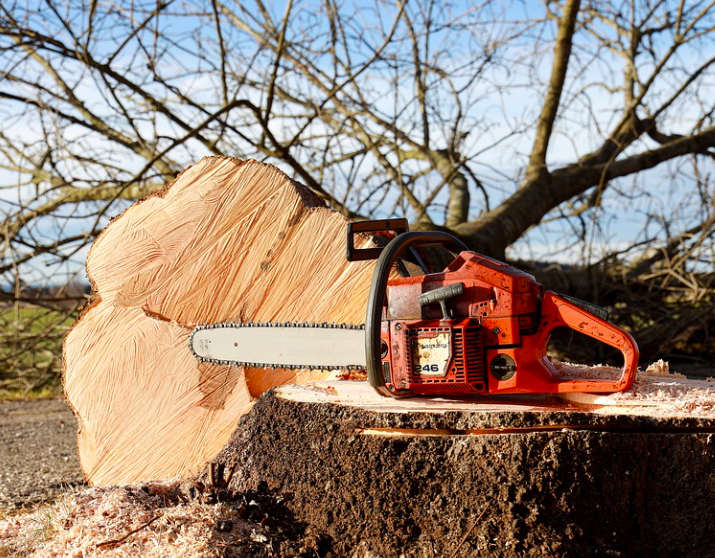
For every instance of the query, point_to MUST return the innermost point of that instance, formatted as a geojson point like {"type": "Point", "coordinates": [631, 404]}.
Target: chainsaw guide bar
{"type": "Point", "coordinates": [292, 345]}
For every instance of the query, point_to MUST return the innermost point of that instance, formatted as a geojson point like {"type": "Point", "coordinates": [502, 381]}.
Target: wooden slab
{"type": "Point", "coordinates": [228, 240]}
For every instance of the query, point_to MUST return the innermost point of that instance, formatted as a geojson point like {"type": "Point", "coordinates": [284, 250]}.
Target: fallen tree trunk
{"type": "Point", "coordinates": [414, 477]}
{"type": "Point", "coordinates": [228, 240]}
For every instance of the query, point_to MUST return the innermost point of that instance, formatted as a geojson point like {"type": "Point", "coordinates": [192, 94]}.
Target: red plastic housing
{"type": "Point", "coordinates": [495, 340]}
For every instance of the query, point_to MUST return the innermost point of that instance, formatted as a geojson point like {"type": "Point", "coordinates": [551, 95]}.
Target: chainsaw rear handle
{"type": "Point", "coordinates": [378, 290]}
{"type": "Point", "coordinates": [557, 311]}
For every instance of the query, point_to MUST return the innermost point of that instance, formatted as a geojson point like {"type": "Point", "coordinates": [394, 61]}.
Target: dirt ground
{"type": "Point", "coordinates": [38, 452]}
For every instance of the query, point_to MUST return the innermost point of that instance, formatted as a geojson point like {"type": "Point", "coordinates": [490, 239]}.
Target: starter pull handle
{"type": "Point", "coordinates": [441, 295]}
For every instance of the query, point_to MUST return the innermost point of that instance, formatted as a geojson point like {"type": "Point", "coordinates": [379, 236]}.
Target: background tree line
{"type": "Point", "coordinates": [572, 137]}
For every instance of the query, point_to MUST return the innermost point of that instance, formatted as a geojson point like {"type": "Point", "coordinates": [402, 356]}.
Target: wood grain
{"type": "Point", "coordinates": [228, 240]}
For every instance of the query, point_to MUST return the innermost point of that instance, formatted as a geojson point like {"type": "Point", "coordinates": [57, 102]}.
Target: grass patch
{"type": "Point", "coordinates": [31, 350]}
{"type": "Point", "coordinates": [34, 394]}
{"type": "Point", "coordinates": [35, 319]}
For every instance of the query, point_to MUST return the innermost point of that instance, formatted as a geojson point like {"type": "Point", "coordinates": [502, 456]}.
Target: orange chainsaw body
{"type": "Point", "coordinates": [495, 339]}
{"type": "Point", "coordinates": [478, 327]}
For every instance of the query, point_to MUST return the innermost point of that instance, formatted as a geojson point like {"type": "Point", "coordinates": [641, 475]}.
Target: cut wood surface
{"type": "Point", "coordinates": [413, 478]}
{"type": "Point", "coordinates": [654, 396]}
{"type": "Point", "coordinates": [228, 240]}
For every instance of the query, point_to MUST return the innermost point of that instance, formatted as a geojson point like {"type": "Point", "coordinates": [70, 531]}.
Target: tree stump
{"type": "Point", "coordinates": [228, 240]}
{"type": "Point", "coordinates": [412, 478]}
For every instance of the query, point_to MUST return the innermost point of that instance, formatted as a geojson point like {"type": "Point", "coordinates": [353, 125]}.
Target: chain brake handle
{"type": "Point", "coordinates": [387, 228]}
{"type": "Point", "coordinates": [557, 311]}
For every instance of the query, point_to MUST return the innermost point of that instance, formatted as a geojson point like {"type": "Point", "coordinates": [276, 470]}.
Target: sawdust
{"type": "Point", "coordinates": [655, 386]}
{"type": "Point", "coordinates": [149, 520]}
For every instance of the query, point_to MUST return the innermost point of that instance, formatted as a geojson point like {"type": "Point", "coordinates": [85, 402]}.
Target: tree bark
{"type": "Point", "coordinates": [501, 227]}
{"type": "Point", "coordinates": [459, 198]}
{"type": "Point", "coordinates": [413, 478]}
{"type": "Point", "coordinates": [562, 52]}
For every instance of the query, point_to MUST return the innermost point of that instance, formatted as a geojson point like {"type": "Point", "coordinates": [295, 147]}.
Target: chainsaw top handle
{"type": "Point", "coordinates": [378, 289]}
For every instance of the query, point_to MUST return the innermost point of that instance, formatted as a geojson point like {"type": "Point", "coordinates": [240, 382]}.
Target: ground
{"type": "Point", "coordinates": [38, 464]}
{"type": "Point", "coordinates": [38, 461]}
{"type": "Point", "coordinates": [38, 455]}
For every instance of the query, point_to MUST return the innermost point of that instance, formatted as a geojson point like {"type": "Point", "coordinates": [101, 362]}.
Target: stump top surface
{"type": "Point", "coordinates": [485, 413]}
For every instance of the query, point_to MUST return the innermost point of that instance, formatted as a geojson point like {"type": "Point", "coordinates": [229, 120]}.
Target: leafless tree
{"type": "Point", "coordinates": [523, 129]}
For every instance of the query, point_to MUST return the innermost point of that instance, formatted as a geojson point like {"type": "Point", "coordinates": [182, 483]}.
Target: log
{"type": "Point", "coordinates": [228, 240]}
{"type": "Point", "coordinates": [507, 476]}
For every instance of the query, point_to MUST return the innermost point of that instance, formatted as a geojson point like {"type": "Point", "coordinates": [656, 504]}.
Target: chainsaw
{"type": "Point", "coordinates": [479, 326]}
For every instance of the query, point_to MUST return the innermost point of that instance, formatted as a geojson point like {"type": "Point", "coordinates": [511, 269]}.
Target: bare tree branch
{"type": "Point", "coordinates": [562, 53]}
